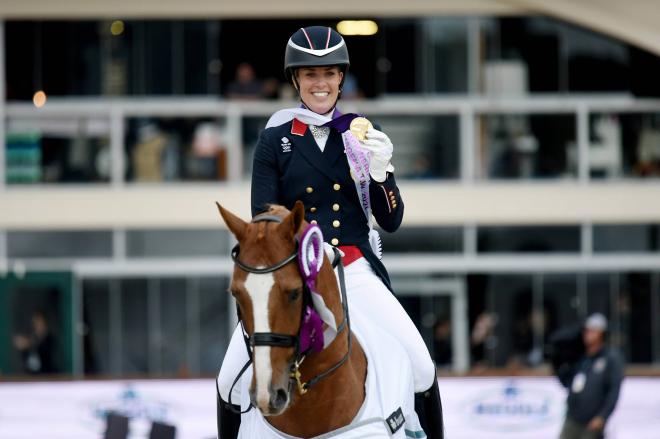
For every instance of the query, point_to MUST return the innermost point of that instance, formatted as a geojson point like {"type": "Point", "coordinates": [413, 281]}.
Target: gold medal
{"type": "Point", "coordinates": [359, 127]}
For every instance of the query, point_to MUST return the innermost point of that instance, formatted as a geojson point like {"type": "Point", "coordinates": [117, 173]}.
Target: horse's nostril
{"type": "Point", "coordinates": [279, 398]}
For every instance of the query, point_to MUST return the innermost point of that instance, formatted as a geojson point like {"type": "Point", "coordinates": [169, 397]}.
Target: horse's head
{"type": "Point", "coordinates": [270, 301]}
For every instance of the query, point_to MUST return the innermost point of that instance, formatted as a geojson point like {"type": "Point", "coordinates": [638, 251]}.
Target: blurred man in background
{"type": "Point", "coordinates": [593, 383]}
{"type": "Point", "coordinates": [37, 348]}
{"type": "Point", "coordinates": [245, 85]}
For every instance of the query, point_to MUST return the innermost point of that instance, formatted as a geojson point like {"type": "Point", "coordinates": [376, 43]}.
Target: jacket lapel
{"type": "Point", "coordinates": [312, 153]}
{"type": "Point", "coordinates": [334, 148]}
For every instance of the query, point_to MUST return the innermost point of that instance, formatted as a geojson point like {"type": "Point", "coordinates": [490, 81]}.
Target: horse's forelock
{"type": "Point", "coordinates": [261, 232]}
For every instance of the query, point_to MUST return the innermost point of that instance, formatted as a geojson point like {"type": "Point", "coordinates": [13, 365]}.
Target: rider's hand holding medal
{"type": "Point", "coordinates": [377, 143]}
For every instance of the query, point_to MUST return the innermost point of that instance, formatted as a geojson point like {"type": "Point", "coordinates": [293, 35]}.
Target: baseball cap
{"type": "Point", "coordinates": [596, 321]}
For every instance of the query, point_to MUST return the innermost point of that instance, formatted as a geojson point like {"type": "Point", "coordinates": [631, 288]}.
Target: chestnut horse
{"type": "Point", "coordinates": [300, 398]}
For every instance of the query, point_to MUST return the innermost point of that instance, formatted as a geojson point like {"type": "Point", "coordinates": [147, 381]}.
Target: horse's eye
{"type": "Point", "coordinates": [294, 294]}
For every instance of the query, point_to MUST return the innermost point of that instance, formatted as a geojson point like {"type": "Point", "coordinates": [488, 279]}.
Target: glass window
{"type": "Point", "coordinates": [427, 147]}
{"type": "Point", "coordinates": [540, 55]}
{"type": "Point", "coordinates": [624, 145]}
{"type": "Point", "coordinates": [501, 318]}
{"type": "Point", "coordinates": [444, 55]}
{"type": "Point", "coordinates": [611, 238]}
{"type": "Point", "coordinates": [57, 150]}
{"type": "Point", "coordinates": [36, 324]}
{"type": "Point", "coordinates": [655, 312]}
{"type": "Point", "coordinates": [176, 321]}
{"type": "Point", "coordinates": [252, 128]}
{"type": "Point", "coordinates": [177, 243]}
{"type": "Point", "coordinates": [216, 323]}
{"type": "Point", "coordinates": [176, 149]}
{"type": "Point", "coordinates": [171, 326]}
{"type": "Point", "coordinates": [517, 146]}
{"type": "Point", "coordinates": [398, 69]}
{"type": "Point", "coordinates": [112, 58]}
{"type": "Point", "coordinates": [134, 324]}
{"type": "Point", "coordinates": [60, 244]}
{"type": "Point", "coordinates": [528, 239]}
{"type": "Point", "coordinates": [512, 317]}
{"type": "Point", "coordinates": [632, 317]}
{"type": "Point", "coordinates": [561, 300]}
{"type": "Point", "coordinates": [423, 240]}
{"type": "Point", "coordinates": [97, 351]}
{"type": "Point", "coordinates": [59, 57]}
{"type": "Point", "coordinates": [626, 299]}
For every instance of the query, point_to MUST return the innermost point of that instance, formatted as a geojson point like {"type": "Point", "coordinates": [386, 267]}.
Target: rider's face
{"type": "Point", "coordinates": [319, 87]}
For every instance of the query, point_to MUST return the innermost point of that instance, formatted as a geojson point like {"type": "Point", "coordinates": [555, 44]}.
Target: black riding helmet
{"type": "Point", "coordinates": [315, 46]}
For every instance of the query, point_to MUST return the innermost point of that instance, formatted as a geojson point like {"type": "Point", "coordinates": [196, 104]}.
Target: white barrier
{"type": "Point", "coordinates": [483, 408]}
{"type": "Point", "coordinates": [533, 408]}
{"type": "Point", "coordinates": [75, 410]}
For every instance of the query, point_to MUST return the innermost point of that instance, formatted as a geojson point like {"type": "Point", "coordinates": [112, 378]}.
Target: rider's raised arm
{"type": "Point", "coordinates": [386, 203]}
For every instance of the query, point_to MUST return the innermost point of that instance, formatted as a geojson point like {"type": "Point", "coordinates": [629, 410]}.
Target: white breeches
{"type": "Point", "coordinates": [366, 292]}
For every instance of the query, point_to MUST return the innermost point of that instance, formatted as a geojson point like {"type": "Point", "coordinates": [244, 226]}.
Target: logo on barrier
{"type": "Point", "coordinates": [140, 409]}
{"type": "Point", "coordinates": [513, 408]}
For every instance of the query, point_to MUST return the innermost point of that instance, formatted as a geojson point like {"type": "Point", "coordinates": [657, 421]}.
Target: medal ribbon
{"type": "Point", "coordinates": [358, 161]}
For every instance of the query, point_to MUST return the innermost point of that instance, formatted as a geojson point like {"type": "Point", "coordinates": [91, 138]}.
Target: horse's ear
{"type": "Point", "coordinates": [293, 221]}
{"type": "Point", "coordinates": [236, 225]}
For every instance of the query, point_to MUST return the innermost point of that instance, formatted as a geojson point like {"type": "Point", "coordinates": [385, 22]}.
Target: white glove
{"type": "Point", "coordinates": [380, 154]}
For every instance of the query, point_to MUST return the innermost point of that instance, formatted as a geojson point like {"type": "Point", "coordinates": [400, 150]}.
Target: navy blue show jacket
{"type": "Point", "coordinates": [289, 167]}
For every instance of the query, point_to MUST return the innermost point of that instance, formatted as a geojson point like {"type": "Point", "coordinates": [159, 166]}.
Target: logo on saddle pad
{"type": "Point", "coordinates": [395, 420]}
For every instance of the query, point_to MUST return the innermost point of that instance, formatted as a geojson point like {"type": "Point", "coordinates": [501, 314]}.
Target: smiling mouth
{"type": "Point", "coordinates": [320, 94]}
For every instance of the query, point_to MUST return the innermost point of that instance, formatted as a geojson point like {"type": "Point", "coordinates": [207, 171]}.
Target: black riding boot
{"type": "Point", "coordinates": [228, 420]}
{"type": "Point", "coordinates": [429, 410]}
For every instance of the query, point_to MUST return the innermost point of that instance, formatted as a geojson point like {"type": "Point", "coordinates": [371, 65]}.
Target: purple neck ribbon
{"type": "Point", "coordinates": [310, 260]}
{"type": "Point", "coordinates": [340, 122]}
{"type": "Point", "coordinates": [311, 331]}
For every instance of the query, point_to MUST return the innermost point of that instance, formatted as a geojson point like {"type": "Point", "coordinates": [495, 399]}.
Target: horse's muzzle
{"type": "Point", "coordinates": [277, 403]}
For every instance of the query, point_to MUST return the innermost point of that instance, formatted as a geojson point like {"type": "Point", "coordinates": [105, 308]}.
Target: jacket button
{"type": "Point", "coordinates": [334, 241]}
{"type": "Point", "coordinates": [309, 189]}
{"type": "Point", "coordinates": [336, 186]}
{"type": "Point", "coordinates": [335, 207]}
{"type": "Point", "coordinates": [335, 223]}
{"type": "Point", "coordinates": [393, 205]}
{"type": "Point", "coordinates": [313, 222]}
{"type": "Point", "coordinates": [312, 209]}
{"type": "Point", "coordinates": [391, 192]}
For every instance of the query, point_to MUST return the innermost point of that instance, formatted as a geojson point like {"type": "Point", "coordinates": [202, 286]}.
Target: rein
{"type": "Point", "coordinates": [285, 340]}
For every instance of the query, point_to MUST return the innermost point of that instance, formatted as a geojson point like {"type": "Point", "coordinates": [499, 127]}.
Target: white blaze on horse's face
{"type": "Point", "coordinates": [258, 287]}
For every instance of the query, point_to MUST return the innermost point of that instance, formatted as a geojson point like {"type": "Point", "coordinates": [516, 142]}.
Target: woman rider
{"type": "Point", "coordinates": [301, 156]}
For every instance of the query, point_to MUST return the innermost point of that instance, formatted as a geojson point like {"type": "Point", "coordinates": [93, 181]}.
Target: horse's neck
{"type": "Point", "coordinates": [331, 403]}
{"type": "Point", "coordinates": [334, 401]}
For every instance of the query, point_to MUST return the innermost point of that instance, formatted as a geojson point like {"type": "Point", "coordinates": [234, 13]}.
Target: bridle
{"type": "Point", "coordinates": [278, 340]}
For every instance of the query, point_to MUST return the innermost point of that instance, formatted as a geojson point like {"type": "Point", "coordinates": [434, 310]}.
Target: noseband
{"type": "Point", "coordinates": [285, 340]}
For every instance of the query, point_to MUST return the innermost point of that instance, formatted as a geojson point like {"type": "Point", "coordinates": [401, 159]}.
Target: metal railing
{"type": "Point", "coordinates": [468, 109]}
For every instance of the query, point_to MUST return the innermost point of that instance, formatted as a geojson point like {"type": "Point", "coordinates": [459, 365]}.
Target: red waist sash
{"type": "Point", "coordinates": [351, 254]}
